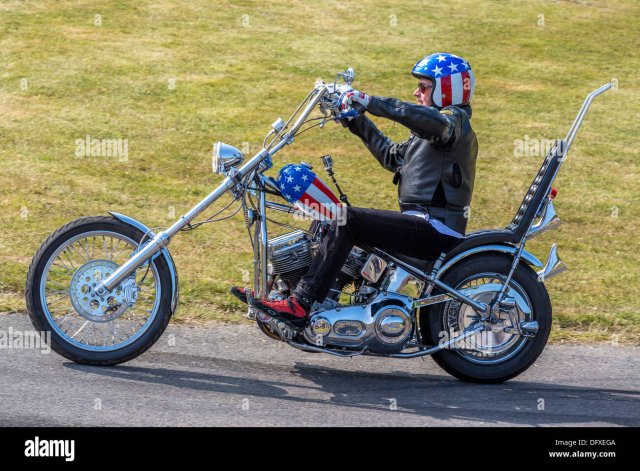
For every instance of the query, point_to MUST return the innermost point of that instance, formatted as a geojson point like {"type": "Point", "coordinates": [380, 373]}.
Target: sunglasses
{"type": "Point", "coordinates": [424, 87]}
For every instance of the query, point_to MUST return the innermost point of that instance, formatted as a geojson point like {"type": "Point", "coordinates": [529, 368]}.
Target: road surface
{"type": "Point", "coordinates": [226, 375]}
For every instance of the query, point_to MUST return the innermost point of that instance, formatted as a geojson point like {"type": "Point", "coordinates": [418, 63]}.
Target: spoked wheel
{"type": "Point", "coordinates": [84, 327]}
{"type": "Point", "coordinates": [503, 350]}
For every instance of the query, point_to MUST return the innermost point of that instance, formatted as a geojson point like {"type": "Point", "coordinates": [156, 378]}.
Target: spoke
{"type": "Point", "coordinates": [62, 264]}
{"type": "Point", "coordinates": [53, 302]}
{"type": "Point", "coordinates": [86, 249]}
{"type": "Point", "coordinates": [64, 319]}
{"type": "Point", "coordinates": [80, 329]}
{"type": "Point", "coordinates": [56, 285]}
{"type": "Point", "coordinates": [114, 243]}
{"type": "Point", "coordinates": [68, 258]}
{"type": "Point", "coordinates": [121, 251]}
{"type": "Point", "coordinates": [111, 253]}
{"type": "Point", "coordinates": [106, 334]}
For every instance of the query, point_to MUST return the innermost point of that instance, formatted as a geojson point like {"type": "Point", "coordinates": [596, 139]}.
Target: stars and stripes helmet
{"type": "Point", "coordinates": [301, 187]}
{"type": "Point", "coordinates": [452, 78]}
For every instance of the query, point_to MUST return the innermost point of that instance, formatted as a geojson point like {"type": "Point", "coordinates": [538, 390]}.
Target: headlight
{"type": "Point", "coordinates": [225, 157]}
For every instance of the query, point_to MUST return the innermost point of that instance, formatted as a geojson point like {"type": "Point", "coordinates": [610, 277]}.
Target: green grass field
{"type": "Point", "coordinates": [173, 77]}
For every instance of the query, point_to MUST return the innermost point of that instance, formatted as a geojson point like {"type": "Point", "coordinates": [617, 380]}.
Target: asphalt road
{"type": "Point", "coordinates": [235, 376]}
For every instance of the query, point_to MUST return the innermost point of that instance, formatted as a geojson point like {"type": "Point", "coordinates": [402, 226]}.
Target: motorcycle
{"type": "Point", "coordinates": [105, 287]}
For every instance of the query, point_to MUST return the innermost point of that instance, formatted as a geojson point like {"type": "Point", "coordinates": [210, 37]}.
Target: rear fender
{"type": "Point", "coordinates": [496, 248]}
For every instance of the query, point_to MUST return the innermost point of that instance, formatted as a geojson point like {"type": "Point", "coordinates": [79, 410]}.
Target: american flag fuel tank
{"type": "Point", "coordinates": [301, 187]}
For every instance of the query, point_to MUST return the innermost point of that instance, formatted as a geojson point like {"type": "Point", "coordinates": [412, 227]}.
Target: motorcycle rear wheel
{"type": "Point", "coordinates": [489, 357]}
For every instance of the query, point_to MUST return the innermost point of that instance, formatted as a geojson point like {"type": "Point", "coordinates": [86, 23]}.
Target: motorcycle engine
{"type": "Point", "coordinates": [290, 256]}
{"type": "Point", "coordinates": [383, 325]}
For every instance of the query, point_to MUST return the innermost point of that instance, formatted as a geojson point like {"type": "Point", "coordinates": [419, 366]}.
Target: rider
{"type": "Point", "coordinates": [434, 170]}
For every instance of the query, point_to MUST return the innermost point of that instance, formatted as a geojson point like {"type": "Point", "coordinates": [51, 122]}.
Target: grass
{"type": "Point", "coordinates": [238, 65]}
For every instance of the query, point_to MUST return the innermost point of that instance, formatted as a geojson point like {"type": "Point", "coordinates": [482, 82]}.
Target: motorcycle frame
{"type": "Point", "coordinates": [261, 162]}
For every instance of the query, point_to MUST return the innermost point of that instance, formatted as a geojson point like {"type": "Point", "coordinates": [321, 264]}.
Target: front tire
{"type": "Point", "coordinates": [508, 354]}
{"type": "Point", "coordinates": [81, 328]}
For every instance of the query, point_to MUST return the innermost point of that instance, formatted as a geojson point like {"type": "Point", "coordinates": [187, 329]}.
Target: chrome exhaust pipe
{"type": "Point", "coordinates": [313, 348]}
{"type": "Point", "coordinates": [420, 353]}
{"type": "Point", "coordinates": [470, 332]}
{"type": "Point", "coordinates": [548, 220]}
{"type": "Point", "coordinates": [553, 267]}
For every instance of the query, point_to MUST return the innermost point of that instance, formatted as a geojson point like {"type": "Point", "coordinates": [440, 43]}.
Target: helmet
{"type": "Point", "coordinates": [451, 76]}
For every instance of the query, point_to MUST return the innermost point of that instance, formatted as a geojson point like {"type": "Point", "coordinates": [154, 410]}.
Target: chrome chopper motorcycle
{"type": "Point", "coordinates": [105, 287]}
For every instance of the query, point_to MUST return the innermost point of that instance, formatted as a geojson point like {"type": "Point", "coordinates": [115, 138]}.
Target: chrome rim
{"type": "Point", "coordinates": [85, 320]}
{"type": "Point", "coordinates": [489, 346]}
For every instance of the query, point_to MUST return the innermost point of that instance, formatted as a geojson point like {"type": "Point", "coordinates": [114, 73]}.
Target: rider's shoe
{"type": "Point", "coordinates": [240, 292]}
{"type": "Point", "coordinates": [290, 310]}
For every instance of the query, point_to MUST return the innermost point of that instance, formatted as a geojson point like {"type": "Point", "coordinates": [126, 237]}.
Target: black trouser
{"type": "Point", "coordinates": [390, 231]}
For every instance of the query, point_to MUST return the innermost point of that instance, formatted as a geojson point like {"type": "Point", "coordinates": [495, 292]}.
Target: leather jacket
{"type": "Point", "coordinates": [441, 151]}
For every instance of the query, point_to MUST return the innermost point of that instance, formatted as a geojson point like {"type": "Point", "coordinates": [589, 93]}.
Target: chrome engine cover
{"type": "Point", "coordinates": [383, 325]}
{"type": "Point", "coordinates": [290, 256]}
{"type": "Point", "coordinates": [289, 252]}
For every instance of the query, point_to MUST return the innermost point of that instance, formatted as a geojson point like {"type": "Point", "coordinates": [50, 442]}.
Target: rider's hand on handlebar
{"type": "Point", "coordinates": [345, 116]}
{"type": "Point", "coordinates": [351, 96]}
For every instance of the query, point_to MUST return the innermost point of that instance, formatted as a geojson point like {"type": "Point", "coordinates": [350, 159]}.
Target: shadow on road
{"type": "Point", "coordinates": [436, 397]}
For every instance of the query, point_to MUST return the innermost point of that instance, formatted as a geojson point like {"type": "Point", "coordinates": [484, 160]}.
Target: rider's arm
{"type": "Point", "coordinates": [424, 121]}
{"type": "Point", "coordinates": [390, 154]}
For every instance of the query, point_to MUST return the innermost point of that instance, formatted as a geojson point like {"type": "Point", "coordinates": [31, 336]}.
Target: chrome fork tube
{"type": "Point", "coordinates": [261, 246]}
{"type": "Point", "coordinates": [264, 242]}
{"type": "Point", "coordinates": [163, 238]}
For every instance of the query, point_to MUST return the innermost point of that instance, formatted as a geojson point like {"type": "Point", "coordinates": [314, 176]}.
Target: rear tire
{"type": "Point", "coordinates": [41, 318]}
{"type": "Point", "coordinates": [437, 320]}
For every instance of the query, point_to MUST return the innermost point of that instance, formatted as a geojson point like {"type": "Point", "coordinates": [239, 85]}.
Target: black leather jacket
{"type": "Point", "coordinates": [441, 150]}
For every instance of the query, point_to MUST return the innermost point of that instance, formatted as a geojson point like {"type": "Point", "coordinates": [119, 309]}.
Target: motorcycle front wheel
{"type": "Point", "coordinates": [501, 353]}
{"type": "Point", "coordinates": [86, 328]}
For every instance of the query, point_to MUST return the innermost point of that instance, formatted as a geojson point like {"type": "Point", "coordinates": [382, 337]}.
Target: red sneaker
{"type": "Point", "coordinates": [290, 310]}
{"type": "Point", "coordinates": [240, 292]}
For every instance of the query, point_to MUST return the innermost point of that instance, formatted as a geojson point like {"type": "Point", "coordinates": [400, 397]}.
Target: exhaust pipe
{"type": "Point", "coordinates": [548, 220]}
{"type": "Point", "coordinates": [553, 267]}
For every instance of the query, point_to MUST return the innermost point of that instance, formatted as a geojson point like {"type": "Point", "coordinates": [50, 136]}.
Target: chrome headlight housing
{"type": "Point", "coordinates": [225, 157]}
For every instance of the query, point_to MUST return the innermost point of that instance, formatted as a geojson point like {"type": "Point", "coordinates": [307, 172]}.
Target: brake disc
{"type": "Point", "coordinates": [93, 307]}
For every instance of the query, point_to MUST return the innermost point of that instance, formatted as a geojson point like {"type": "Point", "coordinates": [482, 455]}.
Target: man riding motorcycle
{"type": "Point", "coordinates": [434, 170]}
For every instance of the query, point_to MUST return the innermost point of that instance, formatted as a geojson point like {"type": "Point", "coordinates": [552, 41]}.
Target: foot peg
{"type": "Point", "coordinates": [251, 311]}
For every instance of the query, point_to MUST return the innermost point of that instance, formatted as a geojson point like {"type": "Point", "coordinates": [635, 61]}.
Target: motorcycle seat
{"type": "Point", "coordinates": [471, 240]}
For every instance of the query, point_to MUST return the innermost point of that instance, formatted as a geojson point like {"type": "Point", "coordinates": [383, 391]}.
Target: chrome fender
{"type": "Point", "coordinates": [507, 249]}
{"type": "Point", "coordinates": [175, 292]}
